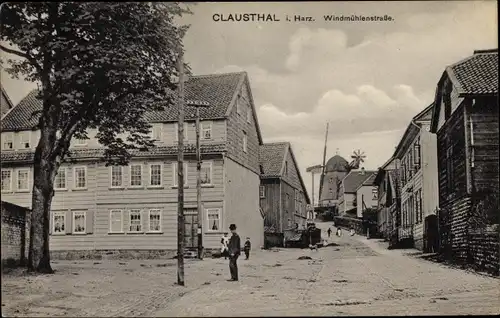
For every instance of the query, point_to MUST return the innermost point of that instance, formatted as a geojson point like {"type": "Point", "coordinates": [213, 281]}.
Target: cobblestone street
{"type": "Point", "coordinates": [355, 276]}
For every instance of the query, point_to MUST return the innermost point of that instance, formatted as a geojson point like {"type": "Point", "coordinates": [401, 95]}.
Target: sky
{"type": "Point", "coordinates": [366, 79]}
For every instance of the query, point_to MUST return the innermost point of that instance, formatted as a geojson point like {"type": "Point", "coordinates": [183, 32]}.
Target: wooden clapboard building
{"type": "Point", "coordinates": [465, 120]}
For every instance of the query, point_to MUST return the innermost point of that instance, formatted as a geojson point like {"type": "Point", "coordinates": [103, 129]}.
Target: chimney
{"type": "Point", "coordinates": [362, 172]}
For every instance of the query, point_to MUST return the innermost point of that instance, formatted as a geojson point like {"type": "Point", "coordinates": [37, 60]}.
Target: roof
{"type": "Point", "coordinates": [7, 98]}
{"type": "Point", "coordinates": [354, 179]}
{"type": "Point", "coordinates": [271, 157]}
{"type": "Point", "coordinates": [337, 163]}
{"type": "Point", "coordinates": [218, 90]}
{"type": "Point", "coordinates": [477, 74]}
{"type": "Point", "coordinates": [411, 130]}
{"type": "Point", "coordinates": [92, 153]}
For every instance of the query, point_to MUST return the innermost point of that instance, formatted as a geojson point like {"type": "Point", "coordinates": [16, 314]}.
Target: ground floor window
{"type": "Point", "coordinates": [58, 221]}
{"type": "Point", "coordinates": [214, 220]}
{"type": "Point", "coordinates": [155, 220]}
{"type": "Point", "coordinates": [115, 221]}
{"type": "Point", "coordinates": [78, 222]}
{"type": "Point", "coordinates": [135, 224]}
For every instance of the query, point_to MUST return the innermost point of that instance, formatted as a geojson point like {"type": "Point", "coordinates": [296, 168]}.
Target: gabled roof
{"type": "Point", "coordinates": [476, 75]}
{"type": "Point", "coordinates": [355, 178]}
{"type": "Point", "coordinates": [272, 157]}
{"type": "Point", "coordinates": [10, 105]}
{"type": "Point", "coordinates": [411, 131]}
{"type": "Point", "coordinates": [218, 90]}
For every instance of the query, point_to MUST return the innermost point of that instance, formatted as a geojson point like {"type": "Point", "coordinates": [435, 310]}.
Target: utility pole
{"type": "Point", "coordinates": [180, 174]}
{"type": "Point", "coordinates": [198, 180]}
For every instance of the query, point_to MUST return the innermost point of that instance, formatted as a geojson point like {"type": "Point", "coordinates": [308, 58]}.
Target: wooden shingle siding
{"type": "Point", "coordinates": [292, 176]}
{"type": "Point", "coordinates": [237, 126]}
{"type": "Point", "coordinates": [484, 143]}
{"type": "Point", "coordinates": [452, 134]}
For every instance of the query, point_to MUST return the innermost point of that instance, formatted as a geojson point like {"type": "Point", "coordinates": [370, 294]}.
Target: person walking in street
{"type": "Point", "coordinates": [339, 231]}
{"type": "Point", "coordinates": [247, 248]}
{"type": "Point", "coordinates": [329, 232]}
{"type": "Point", "coordinates": [224, 245]}
{"type": "Point", "coordinates": [352, 231]}
{"type": "Point", "coordinates": [234, 248]}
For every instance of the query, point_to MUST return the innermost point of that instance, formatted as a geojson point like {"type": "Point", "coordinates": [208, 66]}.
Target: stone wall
{"type": "Point", "coordinates": [15, 237]}
{"type": "Point", "coordinates": [484, 251]}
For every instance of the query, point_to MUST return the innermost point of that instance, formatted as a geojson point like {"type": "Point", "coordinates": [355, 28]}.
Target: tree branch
{"type": "Point", "coordinates": [18, 53]}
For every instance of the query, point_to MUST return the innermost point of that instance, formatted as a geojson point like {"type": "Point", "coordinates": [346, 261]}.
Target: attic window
{"type": "Point", "coordinates": [24, 140]}
{"type": "Point", "coordinates": [286, 168]}
{"type": "Point", "coordinates": [8, 141]}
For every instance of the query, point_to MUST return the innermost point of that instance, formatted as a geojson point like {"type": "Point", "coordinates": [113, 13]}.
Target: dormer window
{"type": "Point", "coordinates": [156, 132]}
{"type": "Point", "coordinates": [8, 141]}
{"type": "Point", "coordinates": [24, 140]}
{"type": "Point", "coordinates": [206, 130]}
{"type": "Point", "coordinates": [80, 142]}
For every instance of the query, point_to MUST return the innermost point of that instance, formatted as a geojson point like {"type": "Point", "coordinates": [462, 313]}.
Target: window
{"type": "Point", "coordinates": [154, 220]}
{"type": "Point", "coordinates": [24, 140]}
{"type": "Point", "coordinates": [116, 176]}
{"type": "Point", "coordinates": [206, 130]}
{"type": "Point", "coordinates": [135, 220]}
{"type": "Point", "coordinates": [286, 168]}
{"type": "Point", "coordinates": [155, 175]}
{"type": "Point", "coordinates": [80, 174]}
{"type": "Point", "coordinates": [411, 165]}
{"type": "Point", "coordinates": [136, 175]}
{"type": "Point", "coordinates": [262, 191]}
{"type": "Point", "coordinates": [80, 142]}
{"type": "Point", "coordinates": [374, 194]}
{"type": "Point", "coordinates": [78, 222]}
{"type": "Point", "coordinates": [23, 180]}
{"type": "Point", "coordinates": [416, 148]}
{"type": "Point", "coordinates": [244, 141]}
{"type": "Point", "coordinates": [58, 223]}
{"type": "Point", "coordinates": [214, 220]}
{"type": "Point", "coordinates": [185, 132]}
{"type": "Point", "coordinates": [8, 141]}
{"type": "Point", "coordinates": [249, 114]}
{"type": "Point", "coordinates": [175, 175]}
{"type": "Point", "coordinates": [156, 132]}
{"type": "Point", "coordinates": [115, 221]}
{"type": "Point", "coordinates": [206, 173]}
{"type": "Point", "coordinates": [6, 180]}
{"type": "Point", "coordinates": [418, 206]}
{"type": "Point", "coordinates": [60, 181]}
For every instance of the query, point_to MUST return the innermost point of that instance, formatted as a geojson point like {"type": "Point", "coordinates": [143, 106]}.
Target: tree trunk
{"type": "Point", "coordinates": [43, 192]}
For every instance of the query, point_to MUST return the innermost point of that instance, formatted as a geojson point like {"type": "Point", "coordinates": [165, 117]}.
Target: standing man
{"type": "Point", "coordinates": [329, 232]}
{"type": "Point", "coordinates": [234, 251]}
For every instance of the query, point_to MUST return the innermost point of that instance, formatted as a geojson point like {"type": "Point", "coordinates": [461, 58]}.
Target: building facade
{"type": "Point", "coordinates": [465, 121]}
{"type": "Point", "coordinates": [283, 195]}
{"type": "Point", "coordinates": [134, 207]}
{"type": "Point", "coordinates": [348, 186]}
{"type": "Point", "coordinates": [366, 196]}
{"type": "Point", "coordinates": [417, 153]}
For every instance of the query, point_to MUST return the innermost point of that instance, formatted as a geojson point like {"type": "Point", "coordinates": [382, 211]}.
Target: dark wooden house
{"type": "Point", "coordinates": [283, 195]}
{"type": "Point", "coordinates": [465, 119]}
{"type": "Point", "coordinates": [389, 195]}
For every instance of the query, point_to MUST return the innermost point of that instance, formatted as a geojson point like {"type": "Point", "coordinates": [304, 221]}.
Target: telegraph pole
{"type": "Point", "coordinates": [198, 180]}
{"type": "Point", "coordinates": [180, 175]}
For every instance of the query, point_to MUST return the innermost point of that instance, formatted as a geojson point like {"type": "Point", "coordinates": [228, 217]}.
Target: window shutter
{"type": "Point", "coordinates": [51, 221]}
{"type": "Point", "coordinates": [69, 222]}
{"type": "Point", "coordinates": [89, 219]}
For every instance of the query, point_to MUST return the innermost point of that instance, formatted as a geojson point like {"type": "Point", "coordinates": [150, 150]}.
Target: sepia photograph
{"type": "Point", "coordinates": [249, 159]}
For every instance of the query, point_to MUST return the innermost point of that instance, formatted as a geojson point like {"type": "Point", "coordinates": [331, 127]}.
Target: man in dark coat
{"type": "Point", "coordinates": [234, 249]}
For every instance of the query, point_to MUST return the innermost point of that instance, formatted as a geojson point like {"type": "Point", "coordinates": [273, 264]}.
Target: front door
{"type": "Point", "coordinates": [190, 228]}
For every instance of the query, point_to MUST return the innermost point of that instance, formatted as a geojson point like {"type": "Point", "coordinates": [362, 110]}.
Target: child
{"type": "Point", "coordinates": [247, 248]}
{"type": "Point", "coordinates": [224, 243]}
{"type": "Point", "coordinates": [352, 231]}
{"type": "Point", "coordinates": [339, 231]}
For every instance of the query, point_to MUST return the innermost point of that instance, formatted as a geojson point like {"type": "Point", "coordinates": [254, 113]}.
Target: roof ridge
{"type": "Point", "coordinates": [486, 51]}
{"type": "Point", "coordinates": [276, 143]}
{"type": "Point", "coordinates": [216, 74]}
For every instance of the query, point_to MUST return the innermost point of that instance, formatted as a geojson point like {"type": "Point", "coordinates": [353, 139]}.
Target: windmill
{"type": "Point", "coordinates": [358, 157]}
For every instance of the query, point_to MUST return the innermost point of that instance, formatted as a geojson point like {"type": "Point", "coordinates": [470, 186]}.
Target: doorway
{"type": "Point", "coordinates": [190, 228]}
